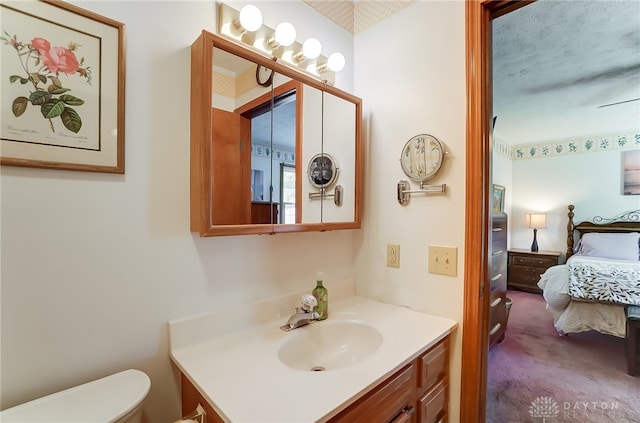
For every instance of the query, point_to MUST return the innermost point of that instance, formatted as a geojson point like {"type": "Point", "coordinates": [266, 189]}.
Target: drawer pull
{"type": "Point", "coordinates": [495, 253]}
{"type": "Point", "coordinates": [497, 229]}
{"type": "Point", "coordinates": [404, 416]}
{"type": "Point", "coordinates": [495, 329]}
{"type": "Point", "coordinates": [496, 302]}
{"type": "Point", "coordinates": [496, 277]}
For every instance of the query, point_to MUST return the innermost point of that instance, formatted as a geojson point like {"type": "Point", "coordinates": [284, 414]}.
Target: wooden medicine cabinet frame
{"type": "Point", "coordinates": [203, 161]}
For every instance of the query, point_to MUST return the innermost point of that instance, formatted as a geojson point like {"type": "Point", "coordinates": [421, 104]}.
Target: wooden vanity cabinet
{"type": "Point", "coordinates": [417, 393]}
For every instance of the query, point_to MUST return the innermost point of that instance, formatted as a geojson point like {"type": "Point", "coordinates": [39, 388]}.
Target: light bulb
{"type": "Point", "coordinates": [336, 62]}
{"type": "Point", "coordinates": [311, 48]}
{"type": "Point", "coordinates": [250, 18]}
{"type": "Point", "coordinates": [285, 34]}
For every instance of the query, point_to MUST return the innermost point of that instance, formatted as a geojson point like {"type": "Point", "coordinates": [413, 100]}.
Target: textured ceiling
{"type": "Point", "coordinates": [356, 16]}
{"type": "Point", "coordinates": [556, 62]}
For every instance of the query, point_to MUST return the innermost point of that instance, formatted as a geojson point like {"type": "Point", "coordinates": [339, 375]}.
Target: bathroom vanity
{"type": "Point", "coordinates": [392, 364]}
{"type": "Point", "coordinates": [417, 392]}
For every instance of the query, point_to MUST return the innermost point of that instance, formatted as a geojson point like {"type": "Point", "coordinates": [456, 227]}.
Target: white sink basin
{"type": "Point", "coordinates": [329, 345]}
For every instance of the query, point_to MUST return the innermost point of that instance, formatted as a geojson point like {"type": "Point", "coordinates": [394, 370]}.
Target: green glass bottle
{"type": "Point", "coordinates": [322, 296]}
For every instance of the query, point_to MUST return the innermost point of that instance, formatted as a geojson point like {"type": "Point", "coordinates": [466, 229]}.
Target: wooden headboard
{"type": "Point", "coordinates": [626, 222]}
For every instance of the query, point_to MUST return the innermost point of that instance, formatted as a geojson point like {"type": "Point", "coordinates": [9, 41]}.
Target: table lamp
{"type": "Point", "coordinates": [536, 221]}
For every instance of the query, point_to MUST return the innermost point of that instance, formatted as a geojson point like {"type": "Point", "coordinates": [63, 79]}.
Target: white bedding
{"type": "Point", "coordinates": [578, 316]}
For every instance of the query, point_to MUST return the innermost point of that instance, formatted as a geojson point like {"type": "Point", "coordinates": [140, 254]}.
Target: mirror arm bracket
{"type": "Point", "coordinates": [405, 191]}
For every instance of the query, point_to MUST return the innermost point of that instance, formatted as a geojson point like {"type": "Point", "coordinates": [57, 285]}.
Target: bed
{"type": "Point", "coordinates": [600, 278]}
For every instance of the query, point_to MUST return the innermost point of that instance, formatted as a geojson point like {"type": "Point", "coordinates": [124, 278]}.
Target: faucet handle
{"type": "Point", "coordinates": [308, 303]}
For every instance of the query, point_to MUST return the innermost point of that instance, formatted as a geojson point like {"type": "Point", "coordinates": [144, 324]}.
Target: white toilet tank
{"type": "Point", "coordinates": [116, 398]}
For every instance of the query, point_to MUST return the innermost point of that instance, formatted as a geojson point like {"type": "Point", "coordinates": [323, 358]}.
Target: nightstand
{"type": "Point", "coordinates": [525, 268]}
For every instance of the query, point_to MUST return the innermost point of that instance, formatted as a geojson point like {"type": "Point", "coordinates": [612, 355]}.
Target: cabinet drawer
{"type": "Point", "coordinates": [544, 262]}
{"type": "Point", "coordinates": [385, 403]}
{"type": "Point", "coordinates": [432, 366]}
{"type": "Point", "coordinates": [433, 405]}
{"type": "Point", "coordinates": [524, 270]}
{"type": "Point", "coordinates": [498, 314]}
{"type": "Point", "coordinates": [496, 298]}
{"type": "Point", "coordinates": [498, 236]}
{"type": "Point", "coordinates": [407, 416]}
{"type": "Point", "coordinates": [498, 275]}
{"type": "Point", "coordinates": [522, 260]}
{"type": "Point", "coordinates": [528, 279]}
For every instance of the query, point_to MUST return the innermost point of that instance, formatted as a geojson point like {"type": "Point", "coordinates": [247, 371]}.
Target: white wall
{"type": "Point", "coordinates": [590, 181]}
{"type": "Point", "coordinates": [410, 73]}
{"type": "Point", "coordinates": [95, 265]}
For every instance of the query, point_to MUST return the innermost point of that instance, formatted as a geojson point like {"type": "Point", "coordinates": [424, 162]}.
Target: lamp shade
{"type": "Point", "coordinates": [536, 220]}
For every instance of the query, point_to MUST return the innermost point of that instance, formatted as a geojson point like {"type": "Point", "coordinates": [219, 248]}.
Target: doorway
{"type": "Point", "coordinates": [479, 15]}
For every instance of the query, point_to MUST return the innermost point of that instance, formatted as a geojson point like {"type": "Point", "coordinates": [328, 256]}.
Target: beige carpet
{"type": "Point", "coordinates": [534, 375]}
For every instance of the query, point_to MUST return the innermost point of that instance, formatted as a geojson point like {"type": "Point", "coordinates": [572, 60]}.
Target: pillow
{"type": "Point", "coordinates": [617, 246]}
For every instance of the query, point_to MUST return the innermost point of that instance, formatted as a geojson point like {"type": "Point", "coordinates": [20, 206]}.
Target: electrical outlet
{"type": "Point", "coordinates": [443, 260]}
{"type": "Point", "coordinates": [393, 255]}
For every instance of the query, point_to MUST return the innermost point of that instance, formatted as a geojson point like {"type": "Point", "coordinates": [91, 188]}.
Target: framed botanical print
{"type": "Point", "coordinates": [62, 87]}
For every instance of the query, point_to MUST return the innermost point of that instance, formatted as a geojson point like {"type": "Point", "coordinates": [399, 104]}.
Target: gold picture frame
{"type": "Point", "coordinates": [62, 87]}
{"type": "Point", "coordinates": [498, 198]}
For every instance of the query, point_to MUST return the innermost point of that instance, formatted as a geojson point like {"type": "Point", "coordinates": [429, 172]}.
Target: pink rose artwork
{"type": "Point", "coordinates": [43, 66]}
{"type": "Point", "coordinates": [57, 59]}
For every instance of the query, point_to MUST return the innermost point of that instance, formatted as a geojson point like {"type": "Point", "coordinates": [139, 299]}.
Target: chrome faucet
{"type": "Point", "coordinates": [304, 314]}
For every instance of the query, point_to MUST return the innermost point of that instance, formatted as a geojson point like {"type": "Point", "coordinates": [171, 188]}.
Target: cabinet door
{"type": "Point", "coordinates": [191, 398]}
{"type": "Point", "coordinates": [433, 405]}
{"type": "Point", "coordinates": [433, 366]}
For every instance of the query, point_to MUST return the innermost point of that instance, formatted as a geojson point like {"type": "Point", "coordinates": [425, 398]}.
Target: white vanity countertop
{"type": "Point", "coordinates": [241, 376]}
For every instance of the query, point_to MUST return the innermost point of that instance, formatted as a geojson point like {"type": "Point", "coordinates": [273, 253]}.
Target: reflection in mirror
{"type": "Point", "coordinates": [254, 129]}
{"type": "Point", "coordinates": [233, 177]}
{"type": "Point", "coordinates": [287, 194]}
{"type": "Point", "coordinates": [273, 145]}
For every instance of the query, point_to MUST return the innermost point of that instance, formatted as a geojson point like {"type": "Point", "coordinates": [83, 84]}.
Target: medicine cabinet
{"type": "Point", "coordinates": [256, 126]}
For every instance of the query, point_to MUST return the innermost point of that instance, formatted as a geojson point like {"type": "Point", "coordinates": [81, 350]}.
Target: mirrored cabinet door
{"type": "Point", "coordinates": [338, 143]}
{"type": "Point", "coordinates": [241, 136]}
{"type": "Point", "coordinates": [312, 134]}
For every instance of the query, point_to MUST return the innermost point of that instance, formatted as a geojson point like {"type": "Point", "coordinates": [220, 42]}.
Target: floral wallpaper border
{"type": "Point", "coordinates": [627, 141]}
{"type": "Point", "coordinates": [265, 151]}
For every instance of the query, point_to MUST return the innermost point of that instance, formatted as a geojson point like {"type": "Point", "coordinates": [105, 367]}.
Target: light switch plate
{"type": "Point", "coordinates": [443, 260]}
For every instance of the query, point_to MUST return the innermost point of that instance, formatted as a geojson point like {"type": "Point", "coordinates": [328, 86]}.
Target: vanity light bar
{"type": "Point", "coordinates": [267, 41]}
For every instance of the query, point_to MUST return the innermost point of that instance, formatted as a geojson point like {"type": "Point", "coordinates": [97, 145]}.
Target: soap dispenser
{"type": "Point", "coordinates": [322, 296]}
